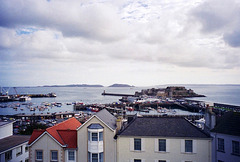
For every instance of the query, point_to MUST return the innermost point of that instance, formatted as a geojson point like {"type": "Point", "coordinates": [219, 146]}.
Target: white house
{"type": "Point", "coordinates": [163, 139]}
{"type": "Point", "coordinates": [226, 138]}
{"type": "Point", "coordinates": [96, 142]}
{"type": "Point", "coordinates": [12, 147]}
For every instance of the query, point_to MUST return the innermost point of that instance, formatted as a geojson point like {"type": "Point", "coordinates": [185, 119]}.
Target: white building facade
{"type": "Point", "coordinates": [148, 140]}
{"type": "Point", "coordinates": [12, 147]}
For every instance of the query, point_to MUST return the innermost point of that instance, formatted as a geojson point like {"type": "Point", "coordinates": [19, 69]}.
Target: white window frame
{"type": "Point", "coordinates": [99, 160]}
{"type": "Point", "coordinates": [194, 146]}
{"type": "Point", "coordinates": [157, 160]}
{"type": "Point", "coordinates": [156, 148]}
{"type": "Point", "coordinates": [71, 155]}
{"type": "Point", "coordinates": [142, 160]}
{"type": "Point", "coordinates": [37, 155]}
{"type": "Point", "coordinates": [142, 144]}
{"type": "Point", "coordinates": [218, 144]}
{"type": "Point", "coordinates": [98, 132]}
{"type": "Point", "coordinates": [237, 144]}
{"type": "Point", "coordinates": [54, 151]}
{"type": "Point", "coordinates": [19, 151]}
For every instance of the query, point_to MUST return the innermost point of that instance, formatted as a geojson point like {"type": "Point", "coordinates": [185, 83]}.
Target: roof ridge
{"type": "Point", "coordinates": [200, 130]}
{"type": "Point", "coordinates": [60, 123]}
{"type": "Point", "coordinates": [60, 138]}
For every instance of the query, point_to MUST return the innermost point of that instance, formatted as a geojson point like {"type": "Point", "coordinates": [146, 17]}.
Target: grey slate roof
{"type": "Point", "coordinates": [229, 124]}
{"type": "Point", "coordinates": [164, 127]}
{"type": "Point", "coordinates": [12, 141]}
{"type": "Point", "coordinates": [107, 118]}
{"type": "Point", "coordinates": [2, 123]}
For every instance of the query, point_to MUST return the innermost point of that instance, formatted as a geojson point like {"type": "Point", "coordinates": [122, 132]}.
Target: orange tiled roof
{"type": "Point", "coordinates": [65, 133]}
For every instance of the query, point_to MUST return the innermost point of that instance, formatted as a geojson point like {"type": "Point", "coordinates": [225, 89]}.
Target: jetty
{"type": "Point", "coordinates": [116, 94]}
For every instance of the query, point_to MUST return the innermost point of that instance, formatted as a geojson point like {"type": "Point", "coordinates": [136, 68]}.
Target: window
{"type": "Point", "coordinates": [100, 136]}
{"type": "Point", "coordinates": [26, 149]}
{"type": "Point", "coordinates": [220, 144]}
{"type": "Point", "coordinates": [39, 155]}
{"type": "Point", "coordinates": [94, 136]}
{"type": "Point", "coordinates": [137, 143]}
{"type": "Point", "coordinates": [95, 157]}
{"type": "Point", "coordinates": [162, 145]}
{"type": "Point", "coordinates": [188, 146]}
{"type": "Point", "coordinates": [101, 157]}
{"type": "Point", "coordinates": [54, 155]}
{"type": "Point", "coordinates": [161, 160]}
{"type": "Point", "coordinates": [71, 155]}
{"type": "Point", "coordinates": [18, 151]}
{"type": "Point", "coordinates": [137, 160]}
{"type": "Point", "coordinates": [235, 147]}
{"type": "Point", "coordinates": [26, 160]}
{"type": "Point", "coordinates": [89, 136]}
{"type": "Point", "coordinates": [8, 155]}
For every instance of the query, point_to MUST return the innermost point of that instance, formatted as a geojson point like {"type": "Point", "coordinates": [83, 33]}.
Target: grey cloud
{"type": "Point", "coordinates": [220, 17]}
{"type": "Point", "coordinates": [92, 21]}
{"type": "Point", "coordinates": [233, 38]}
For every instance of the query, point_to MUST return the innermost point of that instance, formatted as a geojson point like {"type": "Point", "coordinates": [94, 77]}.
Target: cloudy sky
{"type": "Point", "coordinates": [141, 43]}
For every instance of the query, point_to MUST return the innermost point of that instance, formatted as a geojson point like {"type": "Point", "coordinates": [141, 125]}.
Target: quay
{"type": "Point", "coordinates": [116, 94]}
{"type": "Point", "coordinates": [21, 97]}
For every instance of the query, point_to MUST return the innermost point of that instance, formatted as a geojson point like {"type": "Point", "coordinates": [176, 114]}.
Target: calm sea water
{"type": "Point", "coordinates": [228, 94]}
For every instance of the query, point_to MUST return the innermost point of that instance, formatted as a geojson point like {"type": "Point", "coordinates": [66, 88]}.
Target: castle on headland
{"type": "Point", "coordinates": [169, 92]}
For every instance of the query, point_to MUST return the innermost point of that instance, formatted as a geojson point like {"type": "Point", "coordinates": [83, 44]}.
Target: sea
{"type": "Point", "coordinates": [225, 94]}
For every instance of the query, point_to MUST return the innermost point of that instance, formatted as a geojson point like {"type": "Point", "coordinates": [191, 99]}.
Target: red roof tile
{"type": "Point", "coordinates": [69, 137]}
{"type": "Point", "coordinates": [36, 133]}
{"type": "Point", "coordinates": [58, 132]}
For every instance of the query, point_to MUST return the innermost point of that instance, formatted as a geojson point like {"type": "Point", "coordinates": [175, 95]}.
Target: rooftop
{"type": "Point", "coordinates": [164, 127]}
{"type": "Point", "coordinates": [65, 133]}
{"type": "Point", "coordinates": [12, 141]}
{"type": "Point", "coordinates": [2, 123]}
{"type": "Point", "coordinates": [107, 118]}
{"type": "Point", "coordinates": [228, 124]}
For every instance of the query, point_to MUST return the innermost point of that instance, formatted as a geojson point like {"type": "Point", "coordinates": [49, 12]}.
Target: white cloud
{"type": "Point", "coordinates": [87, 41]}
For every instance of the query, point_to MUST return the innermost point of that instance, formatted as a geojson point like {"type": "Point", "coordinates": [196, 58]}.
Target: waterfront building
{"type": "Point", "coordinates": [12, 147]}
{"type": "Point", "coordinates": [226, 138]}
{"type": "Point", "coordinates": [163, 139]}
{"type": "Point", "coordinates": [57, 143]}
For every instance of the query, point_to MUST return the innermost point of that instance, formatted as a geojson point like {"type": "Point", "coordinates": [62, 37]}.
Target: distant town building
{"type": "Point", "coordinates": [226, 138]}
{"type": "Point", "coordinates": [13, 148]}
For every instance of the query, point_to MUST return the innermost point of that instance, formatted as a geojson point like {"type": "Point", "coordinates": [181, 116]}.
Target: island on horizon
{"type": "Point", "coordinates": [120, 85]}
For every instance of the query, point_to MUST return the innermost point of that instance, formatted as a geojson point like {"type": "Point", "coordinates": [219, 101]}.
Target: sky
{"type": "Point", "coordinates": [136, 42]}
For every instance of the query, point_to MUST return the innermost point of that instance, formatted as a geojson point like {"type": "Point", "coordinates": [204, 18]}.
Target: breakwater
{"type": "Point", "coordinates": [116, 94]}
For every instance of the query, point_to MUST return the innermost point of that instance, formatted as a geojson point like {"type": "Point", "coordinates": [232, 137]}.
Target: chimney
{"type": "Point", "coordinates": [119, 123]}
{"type": "Point", "coordinates": [210, 118]}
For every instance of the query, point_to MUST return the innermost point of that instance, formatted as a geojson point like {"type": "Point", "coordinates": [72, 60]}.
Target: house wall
{"type": "Point", "coordinates": [15, 157]}
{"type": "Point", "coordinates": [6, 130]}
{"type": "Point", "coordinates": [109, 143]}
{"type": "Point", "coordinates": [46, 143]}
{"type": "Point", "coordinates": [173, 153]}
{"type": "Point", "coordinates": [227, 154]}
